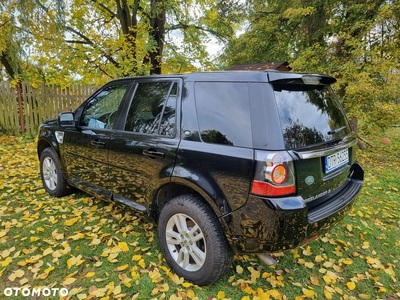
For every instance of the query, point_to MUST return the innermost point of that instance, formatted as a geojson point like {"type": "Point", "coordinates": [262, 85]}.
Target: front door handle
{"type": "Point", "coordinates": [153, 153]}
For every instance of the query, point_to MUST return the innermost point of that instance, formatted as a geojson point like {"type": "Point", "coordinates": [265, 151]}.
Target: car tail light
{"type": "Point", "coordinates": [274, 175]}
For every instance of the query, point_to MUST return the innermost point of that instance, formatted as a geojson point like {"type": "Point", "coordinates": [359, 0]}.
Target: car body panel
{"type": "Point", "coordinates": [222, 173]}
{"type": "Point", "coordinates": [140, 164]}
{"type": "Point", "coordinates": [85, 155]}
{"type": "Point", "coordinates": [266, 225]}
{"type": "Point", "coordinates": [310, 164]}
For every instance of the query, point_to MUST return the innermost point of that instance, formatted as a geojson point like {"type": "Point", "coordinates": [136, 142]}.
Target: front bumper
{"type": "Point", "coordinates": [275, 224]}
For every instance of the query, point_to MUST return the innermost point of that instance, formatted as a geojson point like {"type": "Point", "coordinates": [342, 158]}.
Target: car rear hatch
{"type": "Point", "coordinates": [315, 133]}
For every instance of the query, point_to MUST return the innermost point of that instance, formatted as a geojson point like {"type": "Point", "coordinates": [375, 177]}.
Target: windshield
{"type": "Point", "coordinates": [309, 114]}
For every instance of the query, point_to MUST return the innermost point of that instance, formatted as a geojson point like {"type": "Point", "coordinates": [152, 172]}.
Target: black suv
{"type": "Point", "coordinates": [225, 162]}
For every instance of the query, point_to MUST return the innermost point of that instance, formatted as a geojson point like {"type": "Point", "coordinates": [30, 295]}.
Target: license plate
{"type": "Point", "coordinates": [336, 160]}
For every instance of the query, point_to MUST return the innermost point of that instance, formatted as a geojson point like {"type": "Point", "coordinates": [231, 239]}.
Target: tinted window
{"type": "Point", "coordinates": [309, 115]}
{"type": "Point", "coordinates": [100, 111]}
{"type": "Point", "coordinates": [224, 113]}
{"type": "Point", "coordinates": [152, 110]}
{"type": "Point", "coordinates": [167, 125]}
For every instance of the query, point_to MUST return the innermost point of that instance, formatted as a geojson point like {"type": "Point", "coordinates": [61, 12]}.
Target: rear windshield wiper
{"type": "Point", "coordinates": [336, 130]}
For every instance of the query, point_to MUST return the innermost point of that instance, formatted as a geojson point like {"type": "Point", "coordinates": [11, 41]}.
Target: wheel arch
{"type": "Point", "coordinates": [44, 143]}
{"type": "Point", "coordinates": [182, 187]}
{"type": "Point", "coordinates": [192, 240]}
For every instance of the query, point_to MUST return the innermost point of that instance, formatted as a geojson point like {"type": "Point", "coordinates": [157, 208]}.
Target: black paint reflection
{"type": "Point", "coordinates": [308, 114]}
{"type": "Point", "coordinates": [297, 135]}
{"type": "Point", "coordinates": [215, 137]}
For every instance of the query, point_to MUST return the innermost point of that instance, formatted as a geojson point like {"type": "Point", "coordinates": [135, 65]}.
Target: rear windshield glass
{"type": "Point", "coordinates": [309, 114]}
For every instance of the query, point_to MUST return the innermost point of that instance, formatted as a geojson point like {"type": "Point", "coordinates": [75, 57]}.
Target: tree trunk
{"type": "Point", "coordinates": [156, 35]}
{"type": "Point", "coordinates": [5, 60]}
{"type": "Point", "coordinates": [128, 21]}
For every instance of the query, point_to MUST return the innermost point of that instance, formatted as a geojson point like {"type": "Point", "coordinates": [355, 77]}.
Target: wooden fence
{"type": "Point", "coordinates": [24, 113]}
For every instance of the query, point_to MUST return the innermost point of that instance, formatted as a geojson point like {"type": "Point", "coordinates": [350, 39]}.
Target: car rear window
{"type": "Point", "coordinates": [309, 114]}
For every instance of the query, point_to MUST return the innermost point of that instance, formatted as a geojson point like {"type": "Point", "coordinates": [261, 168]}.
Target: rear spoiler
{"type": "Point", "coordinates": [299, 78]}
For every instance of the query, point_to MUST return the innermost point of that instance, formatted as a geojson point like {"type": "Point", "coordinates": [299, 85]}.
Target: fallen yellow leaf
{"type": "Point", "coordinates": [6, 262]}
{"type": "Point", "coordinates": [16, 274]}
{"type": "Point", "coordinates": [69, 281]}
{"type": "Point", "coordinates": [318, 258]}
{"type": "Point", "coordinates": [71, 222]}
{"type": "Point", "coordinates": [274, 293]}
{"type": "Point", "coordinates": [351, 285]}
{"type": "Point", "coordinates": [239, 269]}
{"type": "Point", "coordinates": [121, 268]}
{"type": "Point", "coordinates": [48, 251]}
{"type": "Point", "coordinates": [221, 295]}
{"type": "Point", "coordinates": [123, 246]}
{"type": "Point", "coordinates": [99, 292]}
{"type": "Point", "coordinates": [5, 253]}
{"type": "Point", "coordinates": [136, 257]}
{"type": "Point", "coordinates": [186, 284]}
{"type": "Point", "coordinates": [117, 290]}
{"type": "Point", "coordinates": [308, 293]}
{"type": "Point", "coordinates": [90, 274]}
{"type": "Point", "coordinates": [295, 253]}
{"type": "Point", "coordinates": [307, 251]}
{"type": "Point", "coordinates": [142, 264]}
{"type": "Point", "coordinates": [75, 291]}
{"type": "Point", "coordinates": [309, 265]}
{"type": "Point", "coordinates": [314, 280]}
{"type": "Point", "coordinates": [327, 294]}
{"type": "Point", "coordinates": [95, 242]}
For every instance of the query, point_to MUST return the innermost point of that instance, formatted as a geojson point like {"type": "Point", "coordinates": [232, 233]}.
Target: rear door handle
{"type": "Point", "coordinates": [98, 143]}
{"type": "Point", "coordinates": [153, 153]}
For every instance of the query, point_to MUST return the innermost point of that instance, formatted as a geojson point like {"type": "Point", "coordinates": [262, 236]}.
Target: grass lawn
{"type": "Point", "coordinates": [97, 250]}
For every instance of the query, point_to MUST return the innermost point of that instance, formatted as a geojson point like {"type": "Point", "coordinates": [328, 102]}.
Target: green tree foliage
{"type": "Point", "coordinates": [98, 40]}
{"type": "Point", "coordinates": [356, 41]}
{"type": "Point", "coordinates": [6, 43]}
{"type": "Point", "coordinates": [12, 53]}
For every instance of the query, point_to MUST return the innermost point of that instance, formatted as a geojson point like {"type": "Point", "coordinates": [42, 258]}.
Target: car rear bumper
{"type": "Point", "coordinates": [276, 224]}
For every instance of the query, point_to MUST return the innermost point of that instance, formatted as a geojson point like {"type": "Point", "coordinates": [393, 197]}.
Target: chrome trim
{"type": "Point", "coordinates": [326, 152]}
{"type": "Point", "coordinates": [59, 136]}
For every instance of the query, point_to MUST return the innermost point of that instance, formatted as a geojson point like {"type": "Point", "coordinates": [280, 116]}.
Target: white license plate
{"type": "Point", "coordinates": [336, 160]}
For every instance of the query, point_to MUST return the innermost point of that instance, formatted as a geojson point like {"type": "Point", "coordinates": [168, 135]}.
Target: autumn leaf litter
{"type": "Point", "coordinates": [101, 251]}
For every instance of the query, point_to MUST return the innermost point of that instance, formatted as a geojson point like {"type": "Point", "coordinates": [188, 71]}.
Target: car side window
{"type": "Point", "coordinates": [152, 110]}
{"type": "Point", "coordinates": [100, 111]}
{"type": "Point", "coordinates": [167, 125]}
{"type": "Point", "coordinates": [223, 110]}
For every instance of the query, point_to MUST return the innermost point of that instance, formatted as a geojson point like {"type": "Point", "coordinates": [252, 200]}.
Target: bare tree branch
{"type": "Point", "coordinates": [78, 42]}
{"type": "Point", "coordinates": [186, 26]}
{"type": "Point", "coordinates": [98, 67]}
{"type": "Point", "coordinates": [88, 41]}
{"type": "Point", "coordinates": [112, 14]}
{"type": "Point", "coordinates": [81, 35]}
{"type": "Point", "coordinates": [4, 24]}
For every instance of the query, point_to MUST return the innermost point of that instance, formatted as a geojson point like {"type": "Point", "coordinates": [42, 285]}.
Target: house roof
{"type": "Point", "coordinates": [262, 66]}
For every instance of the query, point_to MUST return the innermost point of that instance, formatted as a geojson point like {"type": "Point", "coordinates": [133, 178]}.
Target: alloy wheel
{"type": "Point", "coordinates": [186, 242]}
{"type": "Point", "coordinates": [49, 173]}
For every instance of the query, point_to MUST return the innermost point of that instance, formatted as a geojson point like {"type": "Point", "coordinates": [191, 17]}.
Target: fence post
{"type": "Point", "coordinates": [21, 112]}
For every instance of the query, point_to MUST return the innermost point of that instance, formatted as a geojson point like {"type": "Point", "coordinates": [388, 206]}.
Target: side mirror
{"type": "Point", "coordinates": [66, 119]}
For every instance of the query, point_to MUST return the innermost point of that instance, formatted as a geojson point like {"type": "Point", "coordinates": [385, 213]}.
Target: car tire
{"type": "Point", "coordinates": [192, 240]}
{"type": "Point", "coordinates": [51, 174]}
